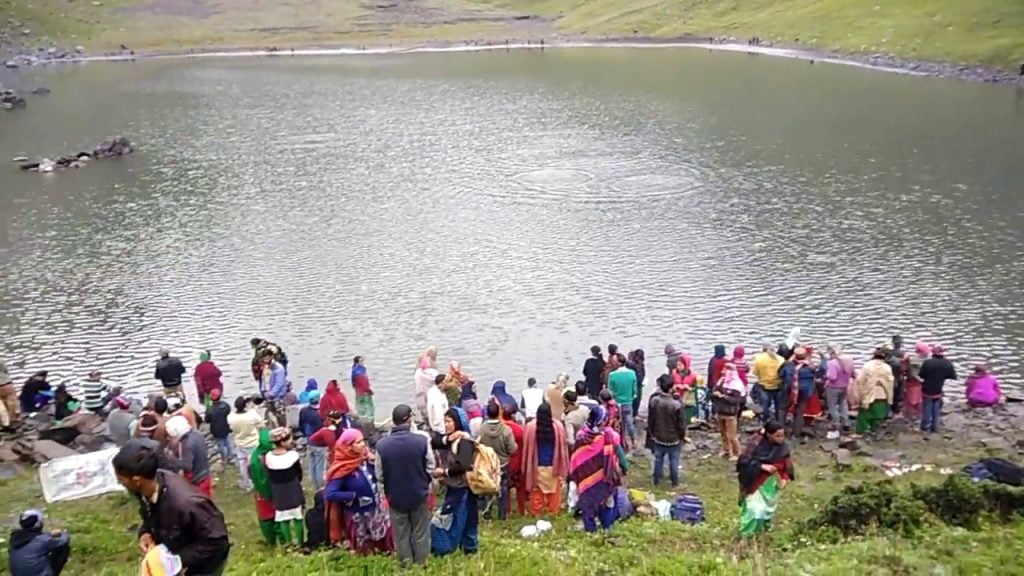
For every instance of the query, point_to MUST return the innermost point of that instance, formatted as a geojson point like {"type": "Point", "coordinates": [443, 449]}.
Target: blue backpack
{"type": "Point", "coordinates": [688, 508]}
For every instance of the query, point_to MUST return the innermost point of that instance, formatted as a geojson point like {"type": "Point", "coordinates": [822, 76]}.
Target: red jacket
{"type": "Point", "coordinates": [515, 460]}
{"type": "Point", "coordinates": [207, 377]}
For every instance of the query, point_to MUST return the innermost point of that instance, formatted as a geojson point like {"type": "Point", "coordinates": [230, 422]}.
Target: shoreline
{"type": "Point", "coordinates": [876, 62]}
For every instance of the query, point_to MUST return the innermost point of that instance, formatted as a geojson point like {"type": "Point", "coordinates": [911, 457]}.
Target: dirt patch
{"type": "Point", "coordinates": [418, 13]}
{"type": "Point", "coordinates": [197, 9]}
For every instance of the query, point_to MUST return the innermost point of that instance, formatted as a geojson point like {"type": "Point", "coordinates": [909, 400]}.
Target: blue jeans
{"type": "Point", "coordinates": [772, 407]}
{"type": "Point", "coordinates": [931, 412]}
{"type": "Point", "coordinates": [317, 456]}
{"type": "Point", "coordinates": [226, 448]}
{"type": "Point", "coordinates": [660, 453]}
{"type": "Point", "coordinates": [626, 413]}
{"type": "Point", "coordinates": [605, 515]}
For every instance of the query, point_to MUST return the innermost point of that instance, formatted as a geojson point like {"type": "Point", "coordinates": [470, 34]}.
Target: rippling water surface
{"type": "Point", "coordinates": [510, 208]}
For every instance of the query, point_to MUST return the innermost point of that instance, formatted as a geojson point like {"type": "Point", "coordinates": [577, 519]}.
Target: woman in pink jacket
{"type": "Point", "coordinates": [982, 388]}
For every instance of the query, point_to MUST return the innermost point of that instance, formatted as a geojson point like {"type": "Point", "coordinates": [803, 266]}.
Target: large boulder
{"type": "Point", "coordinates": [45, 450]}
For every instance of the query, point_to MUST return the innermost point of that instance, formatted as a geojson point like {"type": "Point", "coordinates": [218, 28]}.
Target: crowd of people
{"type": "Point", "coordinates": [456, 455]}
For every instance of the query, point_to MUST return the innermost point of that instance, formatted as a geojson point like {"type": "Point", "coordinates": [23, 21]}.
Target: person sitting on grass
{"type": "Point", "coordinates": [35, 553]}
{"type": "Point", "coordinates": [174, 515]}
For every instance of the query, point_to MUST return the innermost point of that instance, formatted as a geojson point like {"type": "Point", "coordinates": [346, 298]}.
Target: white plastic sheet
{"type": "Point", "coordinates": [79, 476]}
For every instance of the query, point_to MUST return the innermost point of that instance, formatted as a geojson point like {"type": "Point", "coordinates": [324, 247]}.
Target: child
{"type": "Point", "coordinates": [316, 525]}
{"type": "Point", "coordinates": [361, 385]}
{"type": "Point", "coordinates": [284, 469]}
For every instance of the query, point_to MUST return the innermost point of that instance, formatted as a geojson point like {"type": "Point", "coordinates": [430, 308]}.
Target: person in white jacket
{"type": "Point", "coordinates": [426, 371]}
{"type": "Point", "coordinates": [437, 405]}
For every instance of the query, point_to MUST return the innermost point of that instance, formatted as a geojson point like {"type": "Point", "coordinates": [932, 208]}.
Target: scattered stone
{"type": "Point", "coordinates": [84, 422]}
{"type": "Point", "coordinates": [64, 435]}
{"type": "Point", "coordinates": [9, 470]}
{"type": "Point", "coordinates": [843, 457]}
{"type": "Point", "coordinates": [829, 446]}
{"type": "Point", "coordinates": [997, 443]}
{"type": "Point", "coordinates": [118, 146]}
{"type": "Point", "coordinates": [26, 32]}
{"type": "Point", "coordinates": [41, 91]}
{"type": "Point", "coordinates": [851, 444]}
{"type": "Point", "coordinates": [46, 450]}
{"type": "Point", "coordinates": [7, 454]}
{"type": "Point", "coordinates": [10, 64]}
{"type": "Point", "coordinates": [79, 49]}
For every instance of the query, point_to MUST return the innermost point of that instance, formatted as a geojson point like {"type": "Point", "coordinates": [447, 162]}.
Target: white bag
{"type": "Point", "coordinates": [79, 476]}
{"type": "Point", "coordinates": [574, 496]}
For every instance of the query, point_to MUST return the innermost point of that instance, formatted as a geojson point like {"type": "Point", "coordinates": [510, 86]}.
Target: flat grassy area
{"type": "Point", "coordinates": [989, 32]}
{"type": "Point", "coordinates": [104, 543]}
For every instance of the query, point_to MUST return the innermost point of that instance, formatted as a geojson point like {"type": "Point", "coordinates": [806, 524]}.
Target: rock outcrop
{"type": "Point", "coordinates": [117, 146]}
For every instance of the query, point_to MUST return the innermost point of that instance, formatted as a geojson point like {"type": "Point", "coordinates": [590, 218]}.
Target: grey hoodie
{"type": "Point", "coordinates": [498, 437]}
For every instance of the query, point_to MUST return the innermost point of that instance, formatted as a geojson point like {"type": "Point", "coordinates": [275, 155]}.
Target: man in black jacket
{"type": "Point", "coordinates": [666, 429]}
{"type": "Point", "coordinates": [169, 370]}
{"type": "Point", "coordinates": [217, 417]}
{"type": "Point", "coordinates": [173, 513]}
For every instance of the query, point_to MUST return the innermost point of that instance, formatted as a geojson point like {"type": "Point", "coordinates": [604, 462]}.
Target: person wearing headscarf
{"type": "Point", "coordinates": [764, 469]}
{"type": "Point", "coordinates": [284, 469]}
{"type": "Point", "coordinates": [934, 373]}
{"type": "Point", "coordinates": [311, 386]}
{"type": "Point", "coordinates": [64, 404]}
{"type": "Point", "coordinates": [426, 371]}
{"type": "Point", "coordinates": [593, 368]}
{"type": "Point", "coordinates": [362, 389]}
{"type": "Point", "coordinates": [798, 376]}
{"type": "Point", "coordinates": [310, 422]}
{"type": "Point", "coordinates": [838, 376]}
{"type": "Point", "coordinates": [545, 462]}
{"type": "Point", "coordinates": [333, 400]}
{"type": "Point", "coordinates": [262, 490]}
{"type": "Point", "coordinates": [790, 344]}
{"type": "Point", "coordinates": [739, 359]}
{"type": "Point", "coordinates": [503, 398]}
{"type": "Point", "coordinates": [456, 525]}
{"type": "Point", "coordinates": [636, 362]}
{"type": "Point", "coordinates": [716, 366]}
{"type": "Point", "coordinates": [874, 391]}
{"type": "Point", "coordinates": [355, 512]}
{"type": "Point", "coordinates": [553, 395]}
{"type": "Point", "coordinates": [207, 378]}
{"type": "Point", "coordinates": [469, 402]}
{"type": "Point", "coordinates": [912, 397]}
{"type": "Point", "coordinates": [729, 395]}
{"type": "Point", "coordinates": [982, 387]}
{"type": "Point", "coordinates": [596, 468]}
{"type": "Point", "coordinates": [35, 393]}
{"type": "Point", "coordinates": [188, 447]}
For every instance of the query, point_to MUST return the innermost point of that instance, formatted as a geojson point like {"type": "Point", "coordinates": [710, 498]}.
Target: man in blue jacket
{"type": "Point", "coordinates": [274, 387]}
{"type": "Point", "coordinates": [35, 553]}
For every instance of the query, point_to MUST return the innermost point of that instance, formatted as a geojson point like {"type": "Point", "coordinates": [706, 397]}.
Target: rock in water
{"type": "Point", "coordinates": [11, 64]}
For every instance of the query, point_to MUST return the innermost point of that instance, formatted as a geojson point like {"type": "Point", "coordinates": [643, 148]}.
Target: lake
{"type": "Point", "coordinates": [511, 208]}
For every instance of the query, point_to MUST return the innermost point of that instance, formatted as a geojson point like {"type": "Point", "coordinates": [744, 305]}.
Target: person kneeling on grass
{"type": "Point", "coordinates": [35, 553]}
{"type": "Point", "coordinates": [177, 520]}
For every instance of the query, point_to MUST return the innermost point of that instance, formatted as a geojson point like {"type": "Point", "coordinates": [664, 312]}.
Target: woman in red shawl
{"type": "Point", "coordinates": [333, 400]}
{"type": "Point", "coordinates": [356, 513]}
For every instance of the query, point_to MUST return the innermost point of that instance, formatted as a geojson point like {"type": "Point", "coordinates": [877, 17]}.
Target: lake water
{"type": "Point", "coordinates": [510, 208]}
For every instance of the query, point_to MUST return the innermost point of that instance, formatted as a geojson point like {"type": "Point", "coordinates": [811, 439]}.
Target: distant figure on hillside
{"type": "Point", "coordinates": [34, 553]}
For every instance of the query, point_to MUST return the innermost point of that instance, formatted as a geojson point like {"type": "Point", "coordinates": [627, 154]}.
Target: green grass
{"type": "Point", "coordinates": [989, 32]}
{"type": "Point", "coordinates": [105, 545]}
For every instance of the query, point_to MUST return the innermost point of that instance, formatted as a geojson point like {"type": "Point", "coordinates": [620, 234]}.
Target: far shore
{"type": "Point", "coordinates": [878, 62]}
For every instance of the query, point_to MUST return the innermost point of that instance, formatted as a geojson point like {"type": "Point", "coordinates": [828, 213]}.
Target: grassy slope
{"type": "Point", "coordinates": [970, 31]}
{"type": "Point", "coordinates": [104, 543]}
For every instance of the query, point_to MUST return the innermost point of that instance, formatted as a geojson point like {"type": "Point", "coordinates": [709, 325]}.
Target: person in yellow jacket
{"type": "Point", "coordinates": [874, 387]}
{"type": "Point", "coordinates": [766, 371]}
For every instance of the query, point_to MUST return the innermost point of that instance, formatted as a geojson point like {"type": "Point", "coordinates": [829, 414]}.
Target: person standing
{"type": "Point", "coordinates": [545, 462]}
{"type": "Point", "coordinates": [495, 435]}
{"type": "Point", "coordinates": [716, 366]}
{"type": "Point", "coordinates": [327, 436]}
{"type": "Point", "coordinates": [274, 388]}
{"type": "Point", "coordinates": [515, 463]}
{"type": "Point", "coordinates": [623, 386]}
{"type": "Point", "coordinates": [334, 400]}
{"type": "Point", "coordinates": [355, 512]}
{"type": "Point", "coordinates": [575, 418]}
{"type": "Point", "coordinates": [245, 425]}
{"type": "Point", "coordinates": [263, 494]}
{"type": "Point", "coordinates": [284, 470]}
{"type": "Point", "coordinates": [437, 406]}
{"type": "Point", "coordinates": [207, 378]}
{"type": "Point", "coordinates": [363, 391]}
{"type": "Point", "coordinates": [553, 394]}
{"type": "Point", "coordinates": [666, 430]}
{"type": "Point", "coordinates": [94, 390]}
{"type": "Point", "coordinates": [8, 399]}
{"type": "Point", "coordinates": [217, 417]}
{"type": "Point", "coordinates": [404, 466]}
{"type": "Point", "coordinates": [766, 371]}
{"type": "Point", "coordinates": [934, 373]}
{"type": "Point", "coordinates": [764, 470]}
{"type": "Point", "coordinates": [461, 506]}
{"type": "Point", "coordinates": [596, 467]}
{"type": "Point", "coordinates": [729, 395]}
{"type": "Point", "coordinates": [798, 375]}
{"type": "Point", "coordinates": [423, 379]}
{"type": "Point", "coordinates": [310, 423]}
{"type": "Point", "coordinates": [190, 456]}
{"type": "Point", "coordinates": [33, 553]}
{"type": "Point", "coordinates": [169, 370]}
{"type": "Point", "coordinates": [636, 361]}
{"type": "Point", "coordinates": [838, 375]}
{"type": "Point", "coordinates": [895, 357]}
{"type": "Point", "coordinates": [183, 520]}
{"type": "Point", "coordinates": [874, 392]}
{"type": "Point", "coordinates": [531, 399]}
{"type": "Point", "coordinates": [912, 398]}
{"type": "Point", "coordinates": [593, 368]}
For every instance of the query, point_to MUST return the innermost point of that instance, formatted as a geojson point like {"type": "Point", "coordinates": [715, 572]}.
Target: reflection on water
{"type": "Point", "coordinates": [512, 209]}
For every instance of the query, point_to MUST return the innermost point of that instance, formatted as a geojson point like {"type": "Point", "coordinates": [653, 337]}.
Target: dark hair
{"type": "Point", "coordinates": [160, 406]}
{"type": "Point", "coordinates": [267, 353]}
{"type": "Point", "coordinates": [401, 414]}
{"type": "Point", "coordinates": [570, 396]}
{"type": "Point", "coordinates": [665, 383]}
{"type": "Point", "coordinates": [357, 359]}
{"type": "Point", "coordinates": [531, 382]}
{"type": "Point", "coordinates": [255, 341]}
{"type": "Point", "coordinates": [581, 388]}
{"type": "Point", "coordinates": [545, 424]}
{"type": "Point", "coordinates": [605, 396]}
{"type": "Point", "coordinates": [595, 351]}
{"type": "Point", "coordinates": [493, 410]}
{"type": "Point", "coordinates": [256, 399]}
{"type": "Point", "coordinates": [878, 354]}
{"type": "Point", "coordinates": [621, 358]}
{"type": "Point", "coordinates": [240, 403]}
{"type": "Point", "coordinates": [439, 378]}
{"type": "Point", "coordinates": [613, 349]}
{"type": "Point", "coordinates": [772, 427]}
{"type": "Point", "coordinates": [639, 355]}
{"type": "Point", "coordinates": [136, 459]}
{"type": "Point", "coordinates": [148, 421]}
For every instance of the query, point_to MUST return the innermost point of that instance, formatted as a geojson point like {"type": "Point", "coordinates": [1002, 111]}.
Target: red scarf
{"type": "Point", "coordinates": [346, 461]}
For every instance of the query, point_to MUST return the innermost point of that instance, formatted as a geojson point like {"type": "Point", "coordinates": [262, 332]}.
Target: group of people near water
{"type": "Point", "coordinates": [457, 455]}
